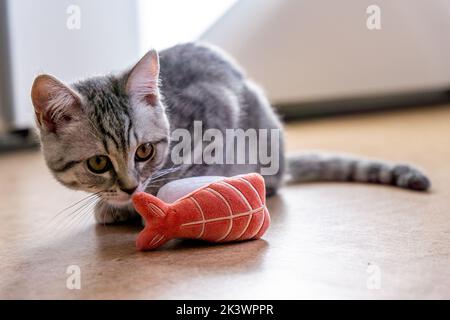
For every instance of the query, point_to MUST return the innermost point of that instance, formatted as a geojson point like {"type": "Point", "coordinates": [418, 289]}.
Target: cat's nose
{"type": "Point", "coordinates": [129, 190]}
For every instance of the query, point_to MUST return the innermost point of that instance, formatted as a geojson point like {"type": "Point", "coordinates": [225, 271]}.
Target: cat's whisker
{"type": "Point", "coordinates": [54, 223]}
{"type": "Point", "coordinates": [104, 217]}
{"type": "Point", "coordinates": [79, 216]}
{"type": "Point", "coordinates": [165, 179]}
{"type": "Point", "coordinates": [84, 217]}
{"type": "Point", "coordinates": [70, 226]}
{"type": "Point", "coordinates": [84, 220]}
{"type": "Point", "coordinates": [74, 204]}
{"type": "Point", "coordinates": [164, 172]}
{"type": "Point", "coordinates": [168, 170]}
{"type": "Point", "coordinates": [77, 210]}
{"type": "Point", "coordinates": [75, 215]}
{"type": "Point", "coordinates": [159, 177]}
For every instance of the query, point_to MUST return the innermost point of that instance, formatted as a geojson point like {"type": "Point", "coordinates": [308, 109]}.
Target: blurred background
{"type": "Point", "coordinates": [312, 57]}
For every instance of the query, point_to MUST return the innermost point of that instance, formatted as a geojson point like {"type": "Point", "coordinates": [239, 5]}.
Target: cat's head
{"type": "Point", "coordinates": [106, 134]}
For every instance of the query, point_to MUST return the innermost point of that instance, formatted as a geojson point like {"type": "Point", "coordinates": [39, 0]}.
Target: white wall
{"type": "Point", "coordinates": [41, 42]}
{"type": "Point", "coordinates": [164, 23]}
{"type": "Point", "coordinates": [300, 50]}
{"type": "Point", "coordinates": [306, 50]}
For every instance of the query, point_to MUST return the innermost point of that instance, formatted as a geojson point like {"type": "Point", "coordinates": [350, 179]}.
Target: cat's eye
{"type": "Point", "coordinates": [145, 152]}
{"type": "Point", "coordinates": [99, 164]}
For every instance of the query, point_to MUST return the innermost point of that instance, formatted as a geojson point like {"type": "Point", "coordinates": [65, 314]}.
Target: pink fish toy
{"type": "Point", "coordinates": [228, 209]}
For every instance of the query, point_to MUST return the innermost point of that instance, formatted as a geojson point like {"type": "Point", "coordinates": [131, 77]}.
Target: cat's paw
{"type": "Point", "coordinates": [107, 214]}
{"type": "Point", "coordinates": [410, 178]}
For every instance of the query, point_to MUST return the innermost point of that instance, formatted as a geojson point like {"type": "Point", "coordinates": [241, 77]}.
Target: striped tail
{"type": "Point", "coordinates": [329, 167]}
{"type": "Point", "coordinates": [154, 212]}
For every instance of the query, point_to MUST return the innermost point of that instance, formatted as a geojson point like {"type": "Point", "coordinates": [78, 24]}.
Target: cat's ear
{"type": "Point", "coordinates": [143, 80]}
{"type": "Point", "coordinates": [55, 104]}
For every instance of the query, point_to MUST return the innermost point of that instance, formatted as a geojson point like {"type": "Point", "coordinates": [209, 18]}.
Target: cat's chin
{"type": "Point", "coordinates": [118, 203]}
{"type": "Point", "coordinates": [118, 200]}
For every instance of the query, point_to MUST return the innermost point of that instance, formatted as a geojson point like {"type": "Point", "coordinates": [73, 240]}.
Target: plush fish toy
{"type": "Point", "coordinates": [227, 209]}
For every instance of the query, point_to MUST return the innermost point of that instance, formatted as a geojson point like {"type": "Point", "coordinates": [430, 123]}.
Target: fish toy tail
{"type": "Point", "coordinates": [154, 212]}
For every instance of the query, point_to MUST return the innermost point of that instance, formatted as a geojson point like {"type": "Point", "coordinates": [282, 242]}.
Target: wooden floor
{"type": "Point", "coordinates": [326, 241]}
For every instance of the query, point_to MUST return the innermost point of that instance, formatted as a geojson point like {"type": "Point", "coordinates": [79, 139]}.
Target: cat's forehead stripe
{"type": "Point", "coordinates": [106, 133]}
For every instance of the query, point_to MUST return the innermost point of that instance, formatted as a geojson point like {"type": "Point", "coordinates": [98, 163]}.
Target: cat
{"type": "Point", "coordinates": [111, 135]}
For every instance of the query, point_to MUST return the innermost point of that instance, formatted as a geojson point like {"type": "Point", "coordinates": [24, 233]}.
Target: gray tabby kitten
{"type": "Point", "coordinates": [111, 135]}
